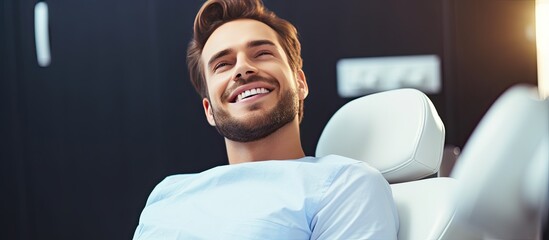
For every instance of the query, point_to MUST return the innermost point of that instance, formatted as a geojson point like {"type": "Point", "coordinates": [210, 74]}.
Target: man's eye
{"type": "Point", "coordinates": [220, 65]}
{"type": "Point", "coordinates": [262, 53]}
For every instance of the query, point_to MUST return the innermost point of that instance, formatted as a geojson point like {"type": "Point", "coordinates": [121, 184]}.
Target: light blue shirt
{"type": "Point", "coordinates": [330, 197]}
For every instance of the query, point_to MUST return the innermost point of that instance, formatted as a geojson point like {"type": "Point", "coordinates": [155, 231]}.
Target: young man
{"type": "Point", "coordinates": [245, 63]}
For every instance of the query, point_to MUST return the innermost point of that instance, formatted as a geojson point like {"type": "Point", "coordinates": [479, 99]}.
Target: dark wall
{"type": "Point", "coordinates": [493, 48]}
{"type": "Point", "coordinates": [84, 141]}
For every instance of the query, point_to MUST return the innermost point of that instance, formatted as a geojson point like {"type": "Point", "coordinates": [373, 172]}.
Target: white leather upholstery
{"type": "Point", "coordinates": [425, 207]}
{"type": "Point", "coordinates": [400, 133]}
{"type": "Point", "coordinates": [503, 169]}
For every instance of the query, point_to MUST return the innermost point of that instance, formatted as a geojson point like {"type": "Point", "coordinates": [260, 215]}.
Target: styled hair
{"type": "Point", "coordinates": [215, 13]}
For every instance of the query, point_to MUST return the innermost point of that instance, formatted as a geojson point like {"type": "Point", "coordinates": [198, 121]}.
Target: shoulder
{"type": "Point", "coordinates": [357, 204]}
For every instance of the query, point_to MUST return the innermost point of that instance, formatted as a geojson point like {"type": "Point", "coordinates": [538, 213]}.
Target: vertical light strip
{"type": "Point", "coordinates": [542, 42]}
{"type": "Point", "coordinates": [41, 34]}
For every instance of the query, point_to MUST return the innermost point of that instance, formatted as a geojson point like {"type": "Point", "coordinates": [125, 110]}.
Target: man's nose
{"type": "Point", "coordinates": [244, 68]}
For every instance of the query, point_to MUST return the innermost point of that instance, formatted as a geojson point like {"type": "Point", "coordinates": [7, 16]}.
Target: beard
{"type": "Point", "coordinates": [258, 126]}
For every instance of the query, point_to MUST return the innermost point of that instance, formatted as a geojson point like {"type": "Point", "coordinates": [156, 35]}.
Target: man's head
{"type": "Point", "coordinates": [239, 48]}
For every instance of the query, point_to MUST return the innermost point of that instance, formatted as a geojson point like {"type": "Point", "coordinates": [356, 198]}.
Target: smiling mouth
{"type": "Point", "coordinates": [250, 93]}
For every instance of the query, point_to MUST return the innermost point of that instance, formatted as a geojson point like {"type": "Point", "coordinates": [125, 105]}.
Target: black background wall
{"type": "Point", "coordinates": [84, 141]}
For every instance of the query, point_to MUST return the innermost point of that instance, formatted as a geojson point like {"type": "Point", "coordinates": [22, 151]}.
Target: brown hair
{"type": "Point", "coordinates": [215, 13]}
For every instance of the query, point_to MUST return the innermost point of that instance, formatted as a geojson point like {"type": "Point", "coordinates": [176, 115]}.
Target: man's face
{"type": "Point", "coordinates": [252, 89]}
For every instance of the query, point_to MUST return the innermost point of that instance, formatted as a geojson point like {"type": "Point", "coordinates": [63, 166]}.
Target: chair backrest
{"type": "Point", "coordinates": [400, 133]}
{"type": "Point", "coordinates": [503, 168]}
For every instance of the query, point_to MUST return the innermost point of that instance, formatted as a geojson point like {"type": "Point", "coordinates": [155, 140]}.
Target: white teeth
{"type": "Point", "coordinates": [251, 92]}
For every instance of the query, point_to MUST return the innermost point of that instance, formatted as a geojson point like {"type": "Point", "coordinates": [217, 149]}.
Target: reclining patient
{"type": "Point", "coordinates": [245, 63]}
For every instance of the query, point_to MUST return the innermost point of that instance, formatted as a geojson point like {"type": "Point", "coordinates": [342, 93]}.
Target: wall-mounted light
{"type": "Point", "coordinates": [542, 42]}
{"type": "Point", "coordinates": [42, 34]}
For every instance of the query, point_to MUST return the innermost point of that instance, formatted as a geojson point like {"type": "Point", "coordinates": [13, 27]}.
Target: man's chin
{"type": "Point", "coordinates": [252, 129]}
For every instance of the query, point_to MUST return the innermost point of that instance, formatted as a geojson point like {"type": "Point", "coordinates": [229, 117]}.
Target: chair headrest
{"type": "Point", "coordinates": [398, 132]}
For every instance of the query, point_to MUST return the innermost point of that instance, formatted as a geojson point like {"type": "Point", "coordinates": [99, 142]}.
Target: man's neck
{"type": "Point", "coordinates": [283, 144]}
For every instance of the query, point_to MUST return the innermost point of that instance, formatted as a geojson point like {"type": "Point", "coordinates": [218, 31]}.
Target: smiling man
{"type": "Point", "coordinates": [246, 64]}
{"type": "Point", "coordinates": [253, 94]}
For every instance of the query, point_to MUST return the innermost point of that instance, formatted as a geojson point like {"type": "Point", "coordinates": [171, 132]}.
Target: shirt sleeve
{"type": "Point", "coordinates": [358, 204]}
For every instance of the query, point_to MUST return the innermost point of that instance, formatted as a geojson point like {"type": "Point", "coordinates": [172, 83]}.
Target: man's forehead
{"type": "Point", "coordinates": [237, 33]}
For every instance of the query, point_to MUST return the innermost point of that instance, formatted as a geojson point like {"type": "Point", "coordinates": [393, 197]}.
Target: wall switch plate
{"type": "Point", "coordinates": [361, 76]}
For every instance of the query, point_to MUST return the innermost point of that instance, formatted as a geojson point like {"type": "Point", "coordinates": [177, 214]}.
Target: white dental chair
{"type": "Point", "coordinates": [400, 133]}
{"type": "Point", "coordinates": [503, 169]}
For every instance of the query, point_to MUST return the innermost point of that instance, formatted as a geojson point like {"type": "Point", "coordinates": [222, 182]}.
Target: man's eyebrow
{"type": "Point", "coordinates": [218, 55]}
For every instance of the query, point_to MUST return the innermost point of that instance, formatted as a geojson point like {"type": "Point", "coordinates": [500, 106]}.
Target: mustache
{"type": "Point", "coordinates": [241, 81]}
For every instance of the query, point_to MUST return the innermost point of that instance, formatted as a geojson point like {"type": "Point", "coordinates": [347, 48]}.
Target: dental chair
{"type": "Point", "coordinates": [503, 169]}
{"type": "Point", "coordinates": [400, 133]}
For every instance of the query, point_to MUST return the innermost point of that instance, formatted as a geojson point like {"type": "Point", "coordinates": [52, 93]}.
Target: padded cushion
{"type": "Point", "coordinates": [398, 132]}
{"type": "Point", "coordinates": [425, 208]}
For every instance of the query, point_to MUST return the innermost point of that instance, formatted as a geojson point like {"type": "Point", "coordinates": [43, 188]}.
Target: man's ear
{"type": "Point", "coordinates": [208, 111]}
{"type": "Point", "coordinates": [302, 87]}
